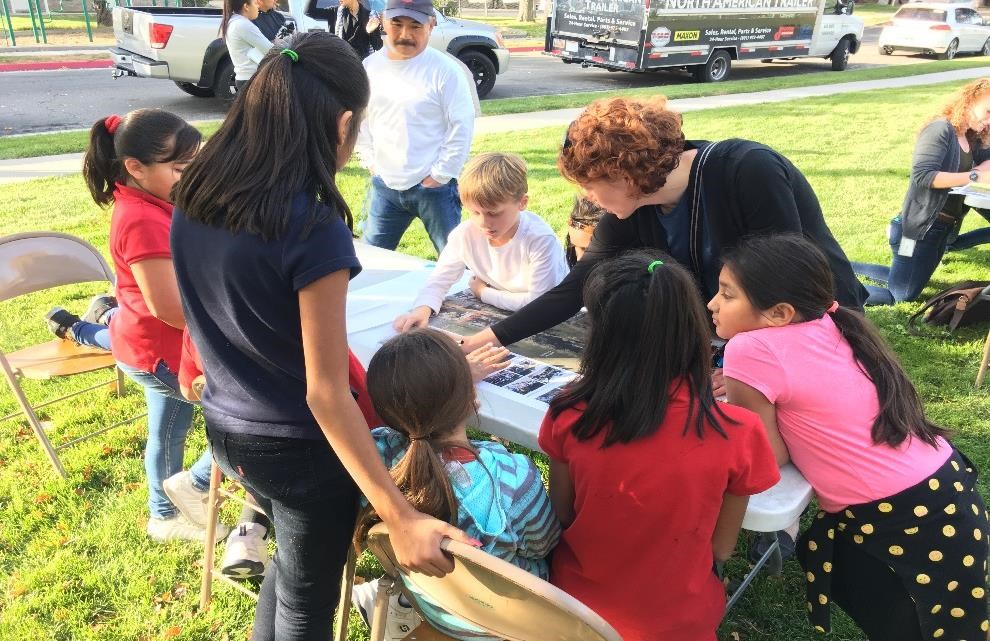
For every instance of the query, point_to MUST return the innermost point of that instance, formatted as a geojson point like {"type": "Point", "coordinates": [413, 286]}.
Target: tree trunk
{"type": "Point", "coordinates": [526, 11]}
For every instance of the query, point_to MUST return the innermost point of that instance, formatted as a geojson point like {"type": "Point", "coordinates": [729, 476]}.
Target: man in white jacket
{"type": "Point", "coordinates": [417, 132]}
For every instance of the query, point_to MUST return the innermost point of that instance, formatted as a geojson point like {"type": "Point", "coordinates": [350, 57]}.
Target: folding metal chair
{"type": "Point", "coordinates": [980, 375]}
{"type": "Point", "coordinates": [32, 262]}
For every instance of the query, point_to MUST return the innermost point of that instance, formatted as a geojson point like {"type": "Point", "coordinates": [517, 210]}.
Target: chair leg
{"type": "Point", "coordinates": [121, 387]}
{"type": "Point", "coordinates": [209, 553]}
{"type": "Point", "coordinates": [32, 418]}
{"type": "Point", "coordinates": [346, 587]}
{"type": "Point", "coordinates": [379, 618]}
{"type": "Point", "coordinates": [983, 365]}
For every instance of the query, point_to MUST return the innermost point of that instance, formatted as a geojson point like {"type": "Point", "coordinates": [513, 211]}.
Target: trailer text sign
{"type": "Point", "coordinates": [733, 6]}
{"type": "Point", "coordinates": [601, 20]}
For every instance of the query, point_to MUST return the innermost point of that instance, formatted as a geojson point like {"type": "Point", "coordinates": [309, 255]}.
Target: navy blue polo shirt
{"type": "Point", "coordinates": [677, 226]}
{"type": "Point", "coordinates": [240, 296]}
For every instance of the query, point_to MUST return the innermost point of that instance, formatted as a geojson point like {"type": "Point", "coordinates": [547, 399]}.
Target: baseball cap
{"type": "Point", "coordinates": [419, 10]}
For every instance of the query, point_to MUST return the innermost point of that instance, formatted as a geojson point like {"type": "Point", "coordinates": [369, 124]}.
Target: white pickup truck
{"type": "Point", "coordinates": [183, 45]}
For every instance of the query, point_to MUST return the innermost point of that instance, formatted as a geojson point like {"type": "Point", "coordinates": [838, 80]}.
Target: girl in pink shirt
{"type": "Point", "coordinates": [901, 541]}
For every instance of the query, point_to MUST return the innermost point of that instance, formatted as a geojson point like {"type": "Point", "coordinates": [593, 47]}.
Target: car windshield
{"type": "Point", "coordinates": [913, 13]}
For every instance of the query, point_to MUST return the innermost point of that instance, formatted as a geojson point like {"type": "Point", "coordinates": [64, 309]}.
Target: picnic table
{"type": "Point", "coordinates": [387, 286]}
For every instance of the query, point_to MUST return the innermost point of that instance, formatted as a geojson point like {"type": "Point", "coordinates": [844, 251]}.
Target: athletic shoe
{"type": "Point", "coordinates": [247, 552]}
{"type": "Point", "coordinates": [98, 308]}
{"type": "Point", "coordinates": [177, 528]}
{"type": "Point", "coordinates": [60, 322]}
{"type": "Point", "coordinates": [401, 617]}
{"type": "Point", "coordinates": [190, 501]}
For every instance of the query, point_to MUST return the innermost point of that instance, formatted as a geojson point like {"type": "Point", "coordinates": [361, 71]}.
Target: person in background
{"type": "Point", "coordinates": [351, 21]}
{"type": "Point", "coordinates": [417, 133]}
{"type": "Point", "coordinates": [952, 150]}
{"type": "Point", "coordinates": [580, 227]}
{"type": "Point", "coordinates": [270, 20]}
{"type": "Point", "coordinates": [512, 253]}
{"type": "Point", "coordinates": [246, 44]}
{"type": "Point", "coordinates": [900, 543]}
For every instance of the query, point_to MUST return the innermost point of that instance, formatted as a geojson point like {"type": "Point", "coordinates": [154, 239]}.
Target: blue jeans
{"type": "Point", "coordinates": [313, 504]}
{"type": "Point", "coordinates": [971, 238]}
{"type": "Point", "coordinates": [169, 420]}
{"type": "Point", "coordinates": [390, 213]}
{"type": "Point", "coordinates": [94, 334]}
{"type": "Point", "coordinates": [907, 275]}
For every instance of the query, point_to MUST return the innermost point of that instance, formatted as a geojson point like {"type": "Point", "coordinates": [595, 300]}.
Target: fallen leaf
{"type": "Point", "coordinates": [174, 631]}
{"type": "Point", "coordinates": [42, 497]}
{"type": "Point", "coordinates": [735, 636]}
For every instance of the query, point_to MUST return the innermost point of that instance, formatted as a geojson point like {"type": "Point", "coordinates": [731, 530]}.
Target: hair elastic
{"type": "Point", "coordinates": [112, 122]}
{"type": "Point", "coordinates": [653, 265]}
{"type": "Point", "coordinates": [833, 307]}
{"type": "Point", "coordinates": [291, 54]}
{"type": "Point", "coordinates": [419, 438]}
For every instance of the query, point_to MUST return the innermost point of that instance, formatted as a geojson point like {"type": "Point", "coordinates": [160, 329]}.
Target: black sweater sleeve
{"type": "Point", "coordinates": [766, 195]}
{"type": "Point", "coordinates": [563, 301]}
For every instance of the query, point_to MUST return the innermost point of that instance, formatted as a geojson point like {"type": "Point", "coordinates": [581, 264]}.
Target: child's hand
{"type": "Point", "coordinates": [416, 542]}
{"type": "Point", "coordinates": [718, 383]}
{"type": "Point", "coordinates": [419, 317]}
{"type": "Point", "coordinates": [486, 360]}
{"type": "Point", "coordinates": [477, 286]}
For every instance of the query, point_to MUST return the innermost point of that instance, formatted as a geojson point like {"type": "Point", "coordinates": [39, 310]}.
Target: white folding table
{"type": "Point", "coordinates": [387, 286]}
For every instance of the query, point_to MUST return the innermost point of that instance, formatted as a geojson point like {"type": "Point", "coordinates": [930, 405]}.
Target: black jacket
{"type": "Point", "coordinates": [269, 22]}
{"type": "Point", "coordinates": [745, 188]}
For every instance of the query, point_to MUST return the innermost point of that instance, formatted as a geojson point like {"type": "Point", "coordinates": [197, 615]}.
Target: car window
{"type": "Point", "coordinates": [970, 17]}
{"type": "Point", "coordinates": [914, 13]}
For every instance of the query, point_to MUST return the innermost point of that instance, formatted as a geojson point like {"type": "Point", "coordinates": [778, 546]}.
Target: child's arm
{"type": "Point", "coordinates": [155, 278]}
{"type": "Point", "coordinates": [730, 519]}
{"type": "Point", "coordinates": [449, 268]}
{"type": "Point", "coordinates": [741, 394]}
{"type": "Point", "coordinates": [548, 268]}
{"type": "Point", "coordinates": [562, 492]}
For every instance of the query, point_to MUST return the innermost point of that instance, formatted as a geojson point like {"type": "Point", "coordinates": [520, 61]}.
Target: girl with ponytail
{"type": "Point", "coordinates": [900, 542]}
{"type": "Point", "coordinates": [422, 388]}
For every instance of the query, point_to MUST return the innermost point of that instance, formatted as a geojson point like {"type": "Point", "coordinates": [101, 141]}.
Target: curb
{"type": "Point", "coordinates": [55, 64]}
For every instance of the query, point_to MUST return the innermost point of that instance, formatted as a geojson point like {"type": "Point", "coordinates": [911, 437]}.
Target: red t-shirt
{"type": "Point", "coordinates": [139, 231]}
{"type": "Point", "coordinates": [190, 367]}
{"type": "Point", "coordinates": [639, 552]}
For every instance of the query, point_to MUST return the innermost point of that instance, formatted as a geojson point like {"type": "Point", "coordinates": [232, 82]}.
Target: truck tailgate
{"type": "Point", "coordinates": [618, 21]}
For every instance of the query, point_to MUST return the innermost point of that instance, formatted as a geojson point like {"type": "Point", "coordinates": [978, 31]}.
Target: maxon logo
{"type": "Point", "coordinates": [686, 36]}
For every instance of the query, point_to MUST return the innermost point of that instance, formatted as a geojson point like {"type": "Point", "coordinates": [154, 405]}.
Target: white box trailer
{"type": "Point", "coordinates": [702, 36]}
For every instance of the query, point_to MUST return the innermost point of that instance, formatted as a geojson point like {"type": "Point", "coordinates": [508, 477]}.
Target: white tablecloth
{"type": "Point", "coordinates": [386, 288]}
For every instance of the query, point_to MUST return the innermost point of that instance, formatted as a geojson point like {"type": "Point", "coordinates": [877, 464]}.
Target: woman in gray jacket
{"type": "Point", "coordinates": [952, 150]}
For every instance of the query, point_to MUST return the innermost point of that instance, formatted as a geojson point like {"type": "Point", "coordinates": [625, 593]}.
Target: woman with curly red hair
{"type": "Point", "coordinates": [692, 199]}
{"type": "Point", "coordinates": [952, 150]}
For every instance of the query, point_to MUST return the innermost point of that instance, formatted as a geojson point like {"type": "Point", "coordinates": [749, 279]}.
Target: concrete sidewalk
{"type": "Point", "coordinates": [22, 169]}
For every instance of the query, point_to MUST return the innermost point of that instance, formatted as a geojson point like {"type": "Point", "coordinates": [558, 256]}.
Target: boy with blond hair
{"type": "Point", "coordinates": [513, 254]}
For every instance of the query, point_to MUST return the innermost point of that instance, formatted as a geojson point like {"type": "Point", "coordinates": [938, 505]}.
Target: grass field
{"type": "Point", "coordinates": [75, 563]}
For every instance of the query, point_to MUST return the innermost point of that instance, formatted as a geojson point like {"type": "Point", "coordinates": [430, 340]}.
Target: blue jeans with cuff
{"type": "Point", "coordinates": [390, 212]}
{"type": "Point", "coordinates": [169, 419]}
{"type": "Point", "coordinates": [907, 275]}
{"type": "Point", "coordinates": [94, 334]}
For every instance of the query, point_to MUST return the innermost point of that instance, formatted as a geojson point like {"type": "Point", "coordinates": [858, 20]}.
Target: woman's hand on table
{"type": "Point", "coordinates": [476, 341]}
{"type": "Point", "coordinates": [419, 317]}
{"type": "Point", "coordinates": [416, 541]}
{"type": "Point", "coordinates": [487, 360]}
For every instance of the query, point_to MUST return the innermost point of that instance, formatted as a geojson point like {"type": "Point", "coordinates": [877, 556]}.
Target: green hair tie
{"type": "Point", "coordinates": [292, 54]}
{"type": "Point", "coordinates": [653, 265]}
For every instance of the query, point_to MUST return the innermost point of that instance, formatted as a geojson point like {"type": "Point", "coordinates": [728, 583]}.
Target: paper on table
{"type": "Point", "coordinates": [973, 189]}
{"type": "Point", "coordinates": [380, 303]}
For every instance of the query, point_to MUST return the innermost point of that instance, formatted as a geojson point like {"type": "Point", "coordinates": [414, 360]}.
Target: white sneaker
{"type": "Point", "coordinates": [247, 552]}
{"type": "Point", "coordinates": [191, 502]}
{"type": "Point", "coordinates": [177, 528]}
{"type": "Point", "coordinates": [401, 619]}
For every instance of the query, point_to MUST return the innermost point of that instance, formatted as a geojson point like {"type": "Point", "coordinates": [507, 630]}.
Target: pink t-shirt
{"type": "Point", "coordinates": [825, 411]}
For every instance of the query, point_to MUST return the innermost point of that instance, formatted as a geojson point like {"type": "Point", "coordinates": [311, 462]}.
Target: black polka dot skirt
{"type": "Point", "coordinates": [934, 536]}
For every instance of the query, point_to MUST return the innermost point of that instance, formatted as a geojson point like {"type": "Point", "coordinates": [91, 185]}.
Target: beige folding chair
{"type": "Point", "coordinates": [488, 592]}
{"type": "Point", "coordinates": [33, 262]}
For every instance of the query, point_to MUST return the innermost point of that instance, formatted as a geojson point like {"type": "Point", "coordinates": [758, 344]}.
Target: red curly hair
{"type": "Point", "coordinates": [616, 139]}
{"type": "Point", "coordinates": [959, 108]}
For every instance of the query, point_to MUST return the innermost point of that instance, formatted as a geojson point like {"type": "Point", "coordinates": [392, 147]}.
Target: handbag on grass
{"type": "Point", "coordinates": [964, 303]}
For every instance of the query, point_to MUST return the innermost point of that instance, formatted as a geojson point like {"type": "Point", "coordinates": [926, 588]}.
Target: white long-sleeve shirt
{"type": "Point", "coordinates": [419, 121]}
{"type": "Point", "coordinates": [531, 263]}
{"type": "Point", "coordinates": [246, 45]}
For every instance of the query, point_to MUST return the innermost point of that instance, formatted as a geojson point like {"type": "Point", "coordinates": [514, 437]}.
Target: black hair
{"type": "Point", "coordinates": [230, 8]}
{"type": "Point", "coordinates": [649, 335]}
{"type": "Point", "coordinates": [757, 263]}
{"type": "Point", "coordinates": [584, 215]}
{"type": "Point", "coordinates": [147, 135]}
{"type": "Point", "coordinates": [279, 140]}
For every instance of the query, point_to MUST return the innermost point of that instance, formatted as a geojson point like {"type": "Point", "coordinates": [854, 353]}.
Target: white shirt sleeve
{"type": "Point", "coordinates": [251, 35]}
{"type": "Point", "coordinates": [459, 109]}
{"type": "Point", "coordinates": [547, 268]}
{"type": "Point", "coordinates": [365, 147]}
{"type": "Point", "coordinates": [448, 270]}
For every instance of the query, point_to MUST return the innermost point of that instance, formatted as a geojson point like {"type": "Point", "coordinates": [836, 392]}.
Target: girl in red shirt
{"type": "Point", "coordinates": [132, 163]}
{"type": "Point", "coordinates": [649, 476]}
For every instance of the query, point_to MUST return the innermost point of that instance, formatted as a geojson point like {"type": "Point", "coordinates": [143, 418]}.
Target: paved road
{"type": "Point", "coordinates": [53, 100]}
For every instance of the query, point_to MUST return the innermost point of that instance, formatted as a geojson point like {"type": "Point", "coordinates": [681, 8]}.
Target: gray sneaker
{"type": "Point", "coordinates": [177, 528]}
{"type": "Point", "coordinates": [191, 502]}
{"type": "Point", "coordinates": [98, 308]}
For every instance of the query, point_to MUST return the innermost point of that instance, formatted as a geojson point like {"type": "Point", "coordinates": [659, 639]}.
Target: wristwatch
{"type": "Point", "coordinates": [974, 176]}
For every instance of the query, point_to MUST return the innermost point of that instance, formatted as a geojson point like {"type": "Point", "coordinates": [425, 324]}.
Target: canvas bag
{"type": "Point", "coordinates": [956, 306]}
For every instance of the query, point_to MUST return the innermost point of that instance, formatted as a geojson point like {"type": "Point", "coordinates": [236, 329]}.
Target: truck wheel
{"type": "Point", "coordinates": [482, 68]}
{"type": "Point", "coordinates": [195, 90]}
{"type": "Point", "coordinates": [950, 51]}
{"type": "Point", "coordinates": [716, 69]}
{"type": "Point", "coordinates": [886, 51]}
{"type": "Point", "coordinates": [223, 81]}
{"type": "Point", "coordinates": [840, 55]}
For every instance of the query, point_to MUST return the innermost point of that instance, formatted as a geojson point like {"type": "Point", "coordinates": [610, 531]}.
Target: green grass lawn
{"type": "Point", "coordinates": [874, 14]}
{"type": "Point", "coordinates": [535, 29]}
{"type": "Point", "coordinates": [74, 560]}
{"type": "Point", "coordinates": [75, 141]}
